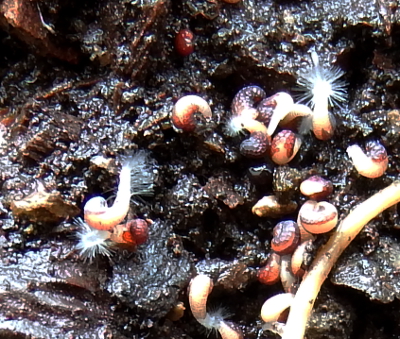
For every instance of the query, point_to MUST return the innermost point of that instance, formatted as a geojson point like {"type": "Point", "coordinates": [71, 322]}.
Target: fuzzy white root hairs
{"type": "Point", "coordinates": [142, 171]}
{"type": "Point", "coordinates": [136, 178]}
{"type": "Point", "coordinates": [199, 289]}
{"type": "Point", "coordinates": [235, 125]}
{"type": "Point", "coordinates": [321, 88]}
{"type": "Point", "coordinates": [320, 84]}
{"type": "Point", "coordinates": [91, 242]}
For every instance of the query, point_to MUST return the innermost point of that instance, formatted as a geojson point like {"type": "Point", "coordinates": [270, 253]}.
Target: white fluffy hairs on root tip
{"type": "Point", "coordinates": [143, 171]}
{"type": "Point", "coordinates": [91, 242]}
{"type": "Point", "coordinates": [235, 125]}
{"type": "Point", "coordinates": [319, 83]}
{"type": "Point", "coordinates": [214, 317]}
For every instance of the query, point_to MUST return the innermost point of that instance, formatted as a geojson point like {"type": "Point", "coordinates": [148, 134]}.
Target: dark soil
{"type": "Point", "coordinates": [101, 78]}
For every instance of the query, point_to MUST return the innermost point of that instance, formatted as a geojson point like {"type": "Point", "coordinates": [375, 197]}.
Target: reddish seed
{"type": "Point", "coordinates": [184, 42]}
{"type": "Point", "coordinates": [284, 147]}
{"type": "Point", "coordinates": [245, 101]}
{"type": "Point", "coordinates": [286, 237]}
{"type": "Point", "coordinates": [139, 230]}
{"type": "Point", "coordinates": [316, 187]}
{"type": "Point", "coordinates": [128, 238]}
{"type": "Point", "coordinates": [187, 111]}
{"type": "Point", "coordinates": [270, 273]}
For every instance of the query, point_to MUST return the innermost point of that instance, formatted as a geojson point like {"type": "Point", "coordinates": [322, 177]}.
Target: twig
{"type": "Point", "coordinates": [327, 256]}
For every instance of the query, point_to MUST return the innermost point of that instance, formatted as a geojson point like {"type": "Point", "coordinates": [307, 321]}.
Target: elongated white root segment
{"type": "Point", "coordinates": [372, 163]}
{"type": "Point", "coordinates": [283, 105]}
{"type": "Point", "coordinates": [136, 178]}
{"type": "Point", "coordinates": [288, 279]}
{"type": "Point", "coordinates": [297, 258]}
{"type": "Point", "coordinates": [99, 216]}
{"type": "Point", "coordinates": [228, 332]}
{"type": "Point", "coordinates": [298, 110]}
{"type": "Point", "coordinates": [274, 306]}
{"type": "Point", "coordinates": [199, 289]}
{"type": "Point", "coordinates": [323, 122]}
{"type": "Point", "coordinates": [327, 256]}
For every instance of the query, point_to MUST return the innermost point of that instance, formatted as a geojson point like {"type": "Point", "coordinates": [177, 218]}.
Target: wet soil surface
{"type": "Point", "coordinates": [81, 79]}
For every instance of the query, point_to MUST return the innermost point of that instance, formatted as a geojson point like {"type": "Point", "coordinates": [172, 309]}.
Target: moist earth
{"type": "Point", "coordinates": [81, 79]}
